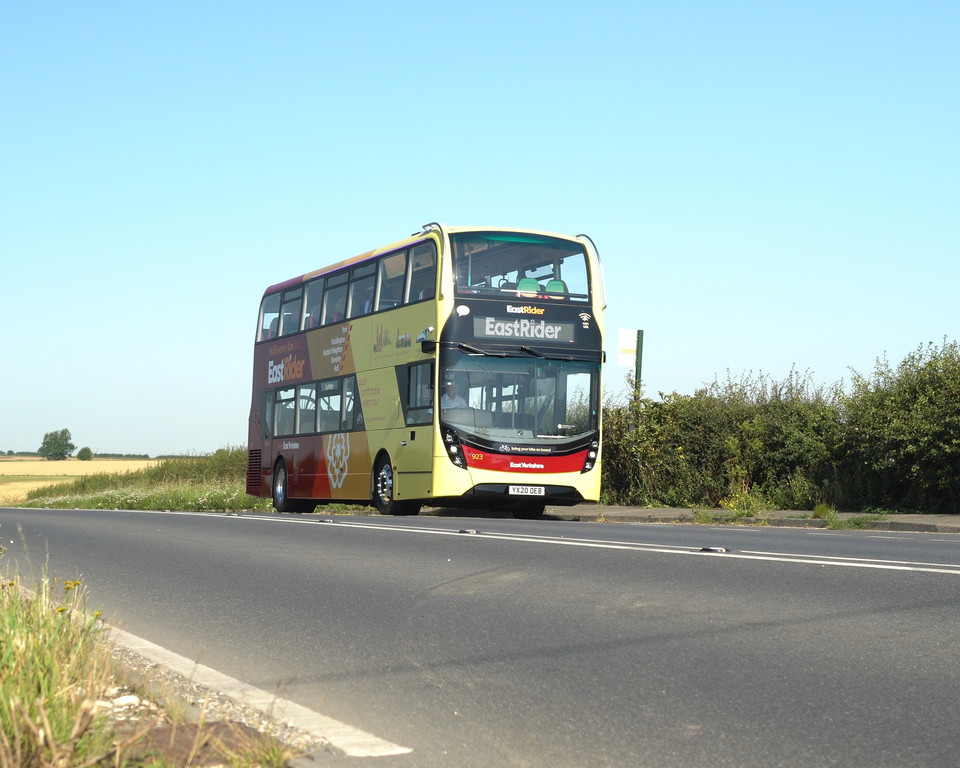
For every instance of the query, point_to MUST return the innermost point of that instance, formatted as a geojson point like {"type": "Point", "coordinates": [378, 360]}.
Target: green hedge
{"type": "Point", "coordinates": [892, 441]}
{"type": "Point", "coordinates": [901, 445]}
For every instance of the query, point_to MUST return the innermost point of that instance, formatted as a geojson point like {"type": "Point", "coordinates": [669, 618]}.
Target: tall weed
{"type": "Point", "coordinates": [54, 667]}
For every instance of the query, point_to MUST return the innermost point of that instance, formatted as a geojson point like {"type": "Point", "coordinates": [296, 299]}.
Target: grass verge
{"type": "Point", "coordinates": [855, 523]}
{"type": "Point", "coordinates": [57, 671]}
{"type": "Point", "coordinates": [53, 668]}
{"type": "Point", "coordinates": [189, 483]}
{"type": "Point", "coordinates": [836, 522]}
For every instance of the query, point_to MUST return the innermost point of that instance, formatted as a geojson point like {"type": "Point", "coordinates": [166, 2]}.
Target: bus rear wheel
{"type": "Point", "coordinates": [383, 491]}
{"type": "Point", "coordinates": [281, 492]}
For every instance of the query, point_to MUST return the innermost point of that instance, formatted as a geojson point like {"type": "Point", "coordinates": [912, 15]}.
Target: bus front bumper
{"type": "Point", "coordinates": [554, 495]}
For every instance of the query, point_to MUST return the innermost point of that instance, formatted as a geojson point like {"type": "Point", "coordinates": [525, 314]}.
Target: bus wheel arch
{"type": "Point", "coordinates": [382, 489]}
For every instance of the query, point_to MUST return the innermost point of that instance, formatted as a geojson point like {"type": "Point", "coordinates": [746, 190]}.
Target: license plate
{"type": "Point", "coordinates": [527, 490]}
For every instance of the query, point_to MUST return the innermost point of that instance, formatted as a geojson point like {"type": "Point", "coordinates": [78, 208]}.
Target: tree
{"type": "Point", "coordinates": [56, 446]}
{"type": "Point", "coordinates": [85, 454]}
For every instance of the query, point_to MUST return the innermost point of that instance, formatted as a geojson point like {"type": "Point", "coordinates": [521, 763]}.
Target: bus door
{"type": "Point", "coordinates": [413, 456]}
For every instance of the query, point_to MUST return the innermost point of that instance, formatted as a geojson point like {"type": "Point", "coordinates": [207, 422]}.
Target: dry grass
{"type": "Point", "coordinates": [19, 476]}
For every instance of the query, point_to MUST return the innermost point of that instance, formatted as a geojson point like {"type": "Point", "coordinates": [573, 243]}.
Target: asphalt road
{"type": "Point", "coordinates": [482, 642]}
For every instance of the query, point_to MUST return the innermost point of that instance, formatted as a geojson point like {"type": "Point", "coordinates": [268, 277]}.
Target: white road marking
{"type": "Point", "coordinates": [352, 741]}
{"type": "Point", "coordinates": [845, 562]}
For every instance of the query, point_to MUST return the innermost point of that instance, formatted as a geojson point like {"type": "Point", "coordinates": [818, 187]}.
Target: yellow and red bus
{"type": "Point", "coordinates": [458, 367]}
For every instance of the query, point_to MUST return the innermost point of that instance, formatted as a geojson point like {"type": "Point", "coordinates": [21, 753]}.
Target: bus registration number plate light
{"type": "Point", "coordinates": [527, 490]}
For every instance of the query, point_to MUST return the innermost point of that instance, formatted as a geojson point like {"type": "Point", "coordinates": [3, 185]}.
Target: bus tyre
{"type": "Point", "coordinates": [383, 486]}
{"type": "Point", "coordinates": [281, 487]}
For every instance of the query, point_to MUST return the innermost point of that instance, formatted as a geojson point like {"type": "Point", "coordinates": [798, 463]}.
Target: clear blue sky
{"type": "Point", "coordinates": [769, 184]}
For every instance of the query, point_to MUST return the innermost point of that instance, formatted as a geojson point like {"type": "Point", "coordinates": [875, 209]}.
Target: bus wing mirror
{"type": "Point", "coordinates": [427, 345]}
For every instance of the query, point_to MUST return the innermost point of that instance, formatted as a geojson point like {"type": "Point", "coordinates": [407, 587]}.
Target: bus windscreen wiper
{"type": "Point", "coordinates": [529, 351]}
{"type": "Point", "coordinates": [477, 351]}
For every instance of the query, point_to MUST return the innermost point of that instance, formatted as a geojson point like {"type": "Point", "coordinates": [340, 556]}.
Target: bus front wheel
{"type": "Point", "coordinates": [383, 491]}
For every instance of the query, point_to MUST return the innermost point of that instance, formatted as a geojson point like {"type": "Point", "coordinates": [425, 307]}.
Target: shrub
{"type": "Point", "coordinates": [750, 437]}
{"type": "Point", "coordinates": [901, 447]}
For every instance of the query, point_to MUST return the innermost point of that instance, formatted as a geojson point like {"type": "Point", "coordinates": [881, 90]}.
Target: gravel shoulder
{"type": "Point", "coordinates": [189, 723]}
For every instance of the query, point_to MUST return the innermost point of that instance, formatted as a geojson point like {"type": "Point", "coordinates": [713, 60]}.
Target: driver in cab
{"type": "Point", "coordinates": [451, 397]}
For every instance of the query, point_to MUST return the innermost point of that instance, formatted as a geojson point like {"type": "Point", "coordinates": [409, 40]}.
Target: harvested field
{"type": "Point", "coordinates": [19, 476]}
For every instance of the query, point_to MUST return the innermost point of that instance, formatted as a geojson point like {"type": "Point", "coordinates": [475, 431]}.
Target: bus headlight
{"type": "Point", "coordinates": [591, 458]}
{"type": "Point", "coordinates": [454, 449]}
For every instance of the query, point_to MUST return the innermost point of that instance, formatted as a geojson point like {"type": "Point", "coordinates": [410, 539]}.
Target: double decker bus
{"type": "Point", "coordinates": [457, 367]}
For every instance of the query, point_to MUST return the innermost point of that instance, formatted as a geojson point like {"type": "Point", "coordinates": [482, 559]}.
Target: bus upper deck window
{"type": "Point", "coordinates": [291, 310]}
{"type": "Point", "coordinates": [335, 298]}
{"type": "Point", "coordinates": [362, 284]}
{"type": "Point", "coordinates": [393, 274]}
{"type": "Point", "coordinates": [269, 318]}
{"type": "Point", "coordinates": [314, 303]}
{"type": "Point", "coordinates": [423, 279]}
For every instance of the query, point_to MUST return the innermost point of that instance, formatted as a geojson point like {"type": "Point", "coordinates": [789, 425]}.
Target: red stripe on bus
{"type": "Point", "coordinates": [499, 462]}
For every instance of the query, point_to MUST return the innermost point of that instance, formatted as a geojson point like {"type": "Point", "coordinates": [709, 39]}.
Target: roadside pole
{"type": "Point", "coordinates": [630, 355]}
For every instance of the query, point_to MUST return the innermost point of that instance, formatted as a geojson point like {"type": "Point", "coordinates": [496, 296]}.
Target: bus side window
{"type": "Point", "coordinates": [393, 277]}
{"type": "Point", "coordinates": [291, 310]}
{"type": "Point", "coordinates": [307, 409]}
{"type": "Point", "coordinates": [335, 298]}
{"type": "Point", "coordinates": [286, 410]}
{"type": "Point", "coordinates": [328, 409]}
{"type": "Point", "coordinates": [349, 403]}
{"type": "Point", "coordinates": [420, 393]}
{"type": "Point", "coordinates": [423, 279]}
{"type": "Point", "coordinates": [361, 289]}
{"type": "Point", "coordinates": [269, 317]}
{"type": "Point", "coordinates": [266, 414]}
{"type": "Point", "coordinates": [314, 304]}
